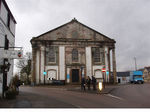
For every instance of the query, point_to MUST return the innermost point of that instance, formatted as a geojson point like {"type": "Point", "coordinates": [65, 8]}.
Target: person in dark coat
{"type": "Point", "coordinates": [88, 83]}
{"type": "Point", "coordinates": [83, 84]}
{"type": "Point", "coordinates": [94, 82]}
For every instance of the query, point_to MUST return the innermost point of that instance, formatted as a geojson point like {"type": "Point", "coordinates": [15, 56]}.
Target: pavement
{"type": "Point", "coordinates": [108, 89]}
{"type": "Point", "coordinates": [28, 100]}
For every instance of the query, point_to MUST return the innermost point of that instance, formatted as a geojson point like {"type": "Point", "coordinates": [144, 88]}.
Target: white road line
{"type": "Point", "coordinates": [114, 96]}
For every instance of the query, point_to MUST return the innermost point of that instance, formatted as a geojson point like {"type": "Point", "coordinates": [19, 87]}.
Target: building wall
{"type": "Point", "coordinates": [62, 63]}
{"type": "Point", "coordinates": [146, 75]}
{"type": "Point", "coordinates": [37, 66]}
{"type": "Point", "coordinates": [88, 62]}
{"type": "Point", "coordinates": [75, 35]}
{"type": "Point", "coordinates": [52, 72]}
{"type": "Point", "coordinates": [10, 33]}
{"type": "Point", "coordinates": [123, 80]}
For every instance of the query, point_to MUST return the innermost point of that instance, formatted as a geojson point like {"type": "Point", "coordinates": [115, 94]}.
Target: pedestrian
{"type": "Point", "coordinates": [94, 82]}
{"type": "Point", "coordinates": [88, 83]}
{"type": "Point", "coordinates": [83, 84]}
{"type": "Point", "coordinates": [18, 83]}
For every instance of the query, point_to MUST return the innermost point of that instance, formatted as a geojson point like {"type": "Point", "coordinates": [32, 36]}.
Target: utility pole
{"type": "Point", "coordinates": [135, 64]}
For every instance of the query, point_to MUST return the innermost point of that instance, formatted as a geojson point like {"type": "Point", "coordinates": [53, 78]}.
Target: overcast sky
{"type": "Point", "coordinates": [126, 21]}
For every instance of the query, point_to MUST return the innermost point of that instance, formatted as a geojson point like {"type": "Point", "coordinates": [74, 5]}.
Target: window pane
{"type": "Point", "coordinates": [51, 54]}
{"type": "Point", "coordinates": [74, 55]}
{"type": "Point", "coordinates": [97, 55]}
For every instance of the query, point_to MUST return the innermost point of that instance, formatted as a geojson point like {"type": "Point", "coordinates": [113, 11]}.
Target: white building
{"type": "Point", "coordinates": [7, 40]}
{"type": "Point", "coordinates": [123, 77]}
{"type": "Point", "coordinates": [70, 52]}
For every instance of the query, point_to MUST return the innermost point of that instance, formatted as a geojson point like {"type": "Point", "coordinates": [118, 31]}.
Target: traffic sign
{"type": "Point", "coordinates": [107, 73]}
{"type": "Point", "coordinates": [44, 73]}
{"type": "Point", "coordinates": [103, 70]}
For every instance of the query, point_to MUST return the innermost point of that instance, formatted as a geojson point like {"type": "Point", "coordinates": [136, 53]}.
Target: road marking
{"type": "Point", "coordinates": [114, 96]}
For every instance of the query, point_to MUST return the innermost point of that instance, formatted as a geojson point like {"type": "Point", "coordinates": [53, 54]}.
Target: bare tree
{"type": "Point", "coordinates": [25, 65]}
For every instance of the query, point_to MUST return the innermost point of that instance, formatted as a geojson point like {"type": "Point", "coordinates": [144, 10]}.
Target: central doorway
{"type": "Point", "coordinates": [75, 75]}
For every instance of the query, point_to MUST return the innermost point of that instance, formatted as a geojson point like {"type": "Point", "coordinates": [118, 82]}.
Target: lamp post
{"type": "Point", "coordinates": [104, 71]}
{"type": "Point", "coordinates": [44, 73]}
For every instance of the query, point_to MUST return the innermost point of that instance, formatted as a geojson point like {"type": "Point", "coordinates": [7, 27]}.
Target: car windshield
{"type": "Point", "coordinates": [138, 76]}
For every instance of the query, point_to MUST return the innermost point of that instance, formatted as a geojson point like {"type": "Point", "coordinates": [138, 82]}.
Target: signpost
{"type": "Point", "coordinates": [44, 73]}
{"type": "Point", "coordinates": [104, 71]}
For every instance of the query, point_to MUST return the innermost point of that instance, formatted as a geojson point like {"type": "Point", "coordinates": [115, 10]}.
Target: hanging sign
{"type": "Point", "coordinates": [12, 54]}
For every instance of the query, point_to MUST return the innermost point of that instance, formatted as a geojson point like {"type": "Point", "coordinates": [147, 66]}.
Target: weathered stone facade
{"type": "Point", "coordinates": [70, 49]}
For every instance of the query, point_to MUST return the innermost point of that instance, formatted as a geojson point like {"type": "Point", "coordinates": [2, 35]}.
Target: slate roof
{"type": "Point", "coordinates": [123, 74]}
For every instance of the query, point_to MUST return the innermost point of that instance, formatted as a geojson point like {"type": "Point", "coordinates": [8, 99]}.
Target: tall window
{"type": "Point", "coordinates": [8, 20]}
{"type": "Point", "coordinates": [96, 54]}
{"type": "Point", "coordinates": [74, 55]}
{"type": "Point", "coordinates": [51, 54]}
{"type": "Point", "coordinates": [6, 43]}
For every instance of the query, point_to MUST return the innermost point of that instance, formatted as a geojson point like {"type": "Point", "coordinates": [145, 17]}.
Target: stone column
{"type": "Point", "coordinates": [114, 65]}
{"type": "Point", "coordinates": [33, 69]}
{"type": "Point", "coordinates": [89, 67]}
{"type": "Point", "coordinates": [109, 64]}
{"type": "Point", "coordinates": [106, 62]}
{"type": "Point", "coordinates": [68, 75]}
{"type": "Point", "coordinates": [42, 64]}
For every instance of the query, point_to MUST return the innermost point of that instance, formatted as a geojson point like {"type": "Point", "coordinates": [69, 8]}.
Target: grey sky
{"type": "Point", "coordinates": [126, 21]}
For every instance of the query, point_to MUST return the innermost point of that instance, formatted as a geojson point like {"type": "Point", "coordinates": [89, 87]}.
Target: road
{"type": "Point", "coordinates": [129, 96]}
{"type": "Point", "coordinates": [124, 96]}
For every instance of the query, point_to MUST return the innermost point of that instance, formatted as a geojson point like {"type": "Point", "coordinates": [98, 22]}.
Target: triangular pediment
{"type": "Point", "coordinates": [73, 30]}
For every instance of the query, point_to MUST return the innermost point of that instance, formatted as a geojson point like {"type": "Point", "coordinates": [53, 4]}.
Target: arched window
{"type": "Point", "coordinates": [75, 55]}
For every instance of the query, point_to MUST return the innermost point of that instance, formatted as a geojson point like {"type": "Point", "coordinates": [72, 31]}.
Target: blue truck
{"type": "Point", "coordinates": [136, 77]}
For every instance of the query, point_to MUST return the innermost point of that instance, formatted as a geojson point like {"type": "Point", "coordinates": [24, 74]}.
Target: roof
{"type": "Point", "coordinates": [148, 68]}
{"type": "Point", "coordinates": [123, 74]}
{"type": "Point", "coordinates": [73, 20]}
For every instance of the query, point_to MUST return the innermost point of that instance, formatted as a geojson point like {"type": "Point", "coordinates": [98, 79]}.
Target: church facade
{"type": "Point", "coordinates": [70, 52]}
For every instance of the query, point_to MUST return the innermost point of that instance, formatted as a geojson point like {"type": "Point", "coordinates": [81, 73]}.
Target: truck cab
{"type": "Point", "coordinates": [136, 77]}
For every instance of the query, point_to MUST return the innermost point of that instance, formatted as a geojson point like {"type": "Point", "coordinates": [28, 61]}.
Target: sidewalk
{"type": "Point", "coordinates": [108, 89]}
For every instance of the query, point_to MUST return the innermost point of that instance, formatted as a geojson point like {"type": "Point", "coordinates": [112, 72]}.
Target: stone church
{"type": "Point", "coordinates": [70, 52]}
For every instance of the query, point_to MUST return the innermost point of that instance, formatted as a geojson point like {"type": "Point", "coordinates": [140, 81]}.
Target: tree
{"type": "Point", "coordinates": [25, 65]}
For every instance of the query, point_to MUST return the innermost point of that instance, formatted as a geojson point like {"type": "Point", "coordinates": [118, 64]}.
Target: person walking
{"type": "Point", "coordinates": [88, 83]}
{"type": "Point", "coordinates": [83, 84]}
{"type": "Point", "coordinates": [94, 82]}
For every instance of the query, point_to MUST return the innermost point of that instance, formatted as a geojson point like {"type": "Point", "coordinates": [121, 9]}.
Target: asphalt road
{"type": "Point", "coordinates": [125, 96]}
